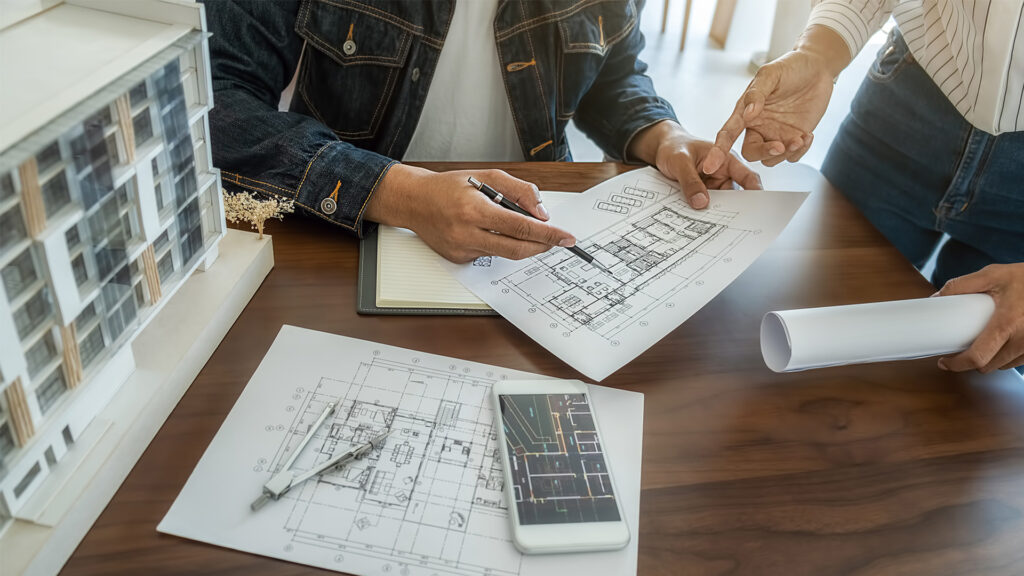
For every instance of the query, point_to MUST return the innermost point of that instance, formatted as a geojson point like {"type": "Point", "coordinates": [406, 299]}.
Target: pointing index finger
{"type": "Point", "coordinates": [724, 140]}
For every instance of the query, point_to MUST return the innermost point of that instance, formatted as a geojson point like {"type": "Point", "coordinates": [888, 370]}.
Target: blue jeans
{"type": "Point", "coordinates": [917, 170]}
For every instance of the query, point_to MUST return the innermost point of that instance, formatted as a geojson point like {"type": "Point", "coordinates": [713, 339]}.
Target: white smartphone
{"type": "Point", "coordinates": [559, 487]}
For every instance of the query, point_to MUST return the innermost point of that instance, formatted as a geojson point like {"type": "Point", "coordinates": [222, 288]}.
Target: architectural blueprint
{"type": "Point", "coordinates": [666, 261]}
{"type": "Point", "coordinates": [428, 502]}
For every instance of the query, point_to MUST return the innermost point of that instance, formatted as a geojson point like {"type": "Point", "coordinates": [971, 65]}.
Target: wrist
{"type": "Point", "coordinates": [392, 204]}
{"type": "Point", "coordinates": [825, 49]}
{"type": "Point", "coordinates": [645, 144]}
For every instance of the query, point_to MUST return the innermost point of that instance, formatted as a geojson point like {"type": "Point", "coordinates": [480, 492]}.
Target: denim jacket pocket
{"type": "Point", "coordinates": [352, 62]}
{"type": "Point", "coordinates": [892, 57]}
{"type": "Point", "coordinates": [587, 36]}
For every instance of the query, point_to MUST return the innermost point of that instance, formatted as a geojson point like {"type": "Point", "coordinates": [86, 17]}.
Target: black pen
{"type": "Point", "coordinates": [500, 200]}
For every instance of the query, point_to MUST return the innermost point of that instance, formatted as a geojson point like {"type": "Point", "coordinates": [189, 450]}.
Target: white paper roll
{"type": "Point", "coordinates": [817, 337]}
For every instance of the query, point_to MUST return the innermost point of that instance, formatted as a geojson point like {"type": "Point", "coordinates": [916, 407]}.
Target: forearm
{"type": "Point", "coordinates": [621, 103]}
{"type": "Point", "coordinates": [295, 157]}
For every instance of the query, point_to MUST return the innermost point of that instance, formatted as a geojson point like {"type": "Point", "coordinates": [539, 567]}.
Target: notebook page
{"type": "Point", "coordinates": [410, 274]}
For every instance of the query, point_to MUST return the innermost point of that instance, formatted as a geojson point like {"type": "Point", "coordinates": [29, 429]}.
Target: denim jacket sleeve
{"type": "Point", "coordinates": [254, 52]}
{"type": "Point", "coordinates": [622, 101]}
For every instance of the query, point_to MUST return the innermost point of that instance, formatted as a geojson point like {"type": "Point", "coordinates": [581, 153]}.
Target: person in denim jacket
{"type": "Point", "coordinates": [366, 73]}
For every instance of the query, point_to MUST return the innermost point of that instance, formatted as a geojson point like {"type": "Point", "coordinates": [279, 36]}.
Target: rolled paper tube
{"type": "Point", "coordinates": [794, 340]}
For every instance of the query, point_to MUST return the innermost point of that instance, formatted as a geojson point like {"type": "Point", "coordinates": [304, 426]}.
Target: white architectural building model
{"type": "Point", "coordinates": [108, 202]}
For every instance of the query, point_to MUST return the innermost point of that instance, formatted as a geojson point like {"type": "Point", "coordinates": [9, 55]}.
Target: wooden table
{"type": "Point", "coordinates": [890, 468]}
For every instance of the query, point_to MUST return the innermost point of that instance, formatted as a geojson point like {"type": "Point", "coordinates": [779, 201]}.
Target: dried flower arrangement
{"type": "Point", "coordinates": [244, 206]}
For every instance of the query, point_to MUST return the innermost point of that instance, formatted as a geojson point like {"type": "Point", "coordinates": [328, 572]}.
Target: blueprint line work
{"type": "Point", "coordinates": [428, 501]}
{"type": "Point", "coordinates": [666, 260]}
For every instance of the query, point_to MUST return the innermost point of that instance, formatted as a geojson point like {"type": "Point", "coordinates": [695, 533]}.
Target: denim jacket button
{"type": "Point", "coordinates": [349, 48]}
{"type": "Point", "coordinates": [328, 206]}
{"type": "Point", "coordinates": [415, 74]}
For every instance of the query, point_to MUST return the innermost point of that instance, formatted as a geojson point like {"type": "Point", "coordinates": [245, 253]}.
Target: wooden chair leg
{"type": "Point", "coordinates": [686, 23]}
{"type": "Point", "coordinates": [722, 21]}
{"type": "Point", "coordinates": [664, 17]}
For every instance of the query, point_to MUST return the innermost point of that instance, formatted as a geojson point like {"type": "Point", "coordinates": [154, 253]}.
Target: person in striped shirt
{"type": "Point", "coordinates": [932, 151]}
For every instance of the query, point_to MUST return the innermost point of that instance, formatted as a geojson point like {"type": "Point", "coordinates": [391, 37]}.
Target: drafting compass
{"type": "Point", "coordinates": [286, 478]}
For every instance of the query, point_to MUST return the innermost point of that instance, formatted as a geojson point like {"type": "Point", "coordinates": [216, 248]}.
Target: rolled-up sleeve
{"type": "Point", "coordinates": [854, 20]}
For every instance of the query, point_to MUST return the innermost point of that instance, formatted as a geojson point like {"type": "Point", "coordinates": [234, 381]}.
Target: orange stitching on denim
{"type": "Point", "coordinates": [515, 118]}
{"type": "Point", "coordinates": [351, 27]}
{"type": "Point", "coordinates": [311, 210]}
{"type": "Point", "coordinates": [539, 148]}
{"type": "Point", "coordinates": [310, 165]}
{"type": "Point", "coordinates": [334, 195]}
{"type": "Point", "coordinates": [517, 66]}
{"type": "Point", "coordinates": [239, 178]}
{"type": "Point", "coordinates": [600, 27]}
{"type": "Point", "coordinates": [543, 19]}
{"type": "Point", "coordinates": [540, 88]}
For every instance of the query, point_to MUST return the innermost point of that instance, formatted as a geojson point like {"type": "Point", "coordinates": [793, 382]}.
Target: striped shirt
{"type": "Point", "coordinates": [972, 49]}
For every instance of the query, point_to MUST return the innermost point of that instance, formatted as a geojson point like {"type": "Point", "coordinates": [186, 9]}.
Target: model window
{"type": "Point", "coordinates": [41, 353]}
{"type": "Point", "coordinates": [140, 295]}
{"type": "Point", "coordinates": [56, 194]}
{"type": "Point", "coordinates": [138, 94]}
{"type": "Point", "coordinates": [19, 274]}
{"type": "Point", "coordinates": [143, 126]}
{"type": "Point", "coordinates": [91, 346]}
{"type": "Point", "coordinates": [50, 390]}
{"type": "Point", "coordinates": [165, 267]}
{"type": "Point", "coordinates": [86, 315]}
{"type": "Point", "coordinates": [79, 269]}
{"type": "Point", "coordinates": [7, 444]}
{"type": "Point", "coordinates": [12, 228]}
{"type": "Point", "coordinates": [6, 186]}
{"type": "Point", "coordinates": [32, 314]}
{"type": "Point", "coordinates": [73, 238]}
{"type": "Point", "coordinates": [49, 156]}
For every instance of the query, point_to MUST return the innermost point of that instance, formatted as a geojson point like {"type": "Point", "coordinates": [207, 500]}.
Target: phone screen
{"type": "Point", "coordinates": [559, 475]}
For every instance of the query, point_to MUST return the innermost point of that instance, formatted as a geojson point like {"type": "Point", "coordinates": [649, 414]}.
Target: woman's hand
{"type": "Point", "coordinates": [784, 102]}
{"type": "Point", "coordinates": [458, 221]}
{"type": "Point", "coordinates": [1001, 344]}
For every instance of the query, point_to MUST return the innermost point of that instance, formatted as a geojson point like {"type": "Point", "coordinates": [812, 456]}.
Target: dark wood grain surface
{"type": "Point", "coordinates": [893, 468]}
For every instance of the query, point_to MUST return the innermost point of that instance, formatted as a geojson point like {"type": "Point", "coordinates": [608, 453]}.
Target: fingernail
{"type": "Point", "coordinates": [794, 146]}
{"type": "Point", "coordinates": [777, 149]}
{"type": "Point", "coordinates": [567, 242]}
{"type": "Point", "coordinates": [942, 364]}
{"type": "Point", "coordinates": [543, 211]}
{"type": "Point", "coordinates": [748, 110]}
{"type": "Point", "coordinates": [699, 200]}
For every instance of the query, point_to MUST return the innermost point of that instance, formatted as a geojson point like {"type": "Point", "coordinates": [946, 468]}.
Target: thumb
{"type": "Point", "coordinates": [980, 281]}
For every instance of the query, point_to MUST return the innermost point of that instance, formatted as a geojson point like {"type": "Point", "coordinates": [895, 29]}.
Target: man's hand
{"type": "Point", "coordinates": [458, 221]}
{"type": "Point", "coordinates": [784, 102]}
{"type": "Point", "coordinates": [678, 155]}
{"type": "Point", "coordinates": [1001, 344]}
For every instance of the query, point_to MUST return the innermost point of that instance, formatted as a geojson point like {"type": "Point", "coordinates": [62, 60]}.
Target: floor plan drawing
{"type": "Point", "coordinates": [419, 497]}
{"type": "Point", "coordinates": [429, 501]}
{"type": "Point", "coordinates": [650, 258]}
{"type": "Point", "coordinates": [666, 260]}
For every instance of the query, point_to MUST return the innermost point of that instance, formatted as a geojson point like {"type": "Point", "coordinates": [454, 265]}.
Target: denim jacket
{"type": "Point", "coordinates": [365, 70]}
